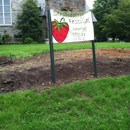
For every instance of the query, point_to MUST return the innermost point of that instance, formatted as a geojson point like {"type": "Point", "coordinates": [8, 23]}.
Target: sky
{"type": "Point", "coordinates": [90, 3]}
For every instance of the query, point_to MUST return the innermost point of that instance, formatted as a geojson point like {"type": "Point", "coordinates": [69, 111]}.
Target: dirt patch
{"type": "Point", "coordinates": [69, 66]}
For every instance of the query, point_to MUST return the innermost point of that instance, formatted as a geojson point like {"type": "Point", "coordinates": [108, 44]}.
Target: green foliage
{"type": "Point", "coordinates": [100, 104]}
{"type": "Point", "coordinates": [110, 27]}
{"type": "Point", "coordinates": [113, 19]}
{"type": "Point", "coordinates": [101, 8]}
{"type": "Point", "coordinates": [1, 42]}
{"type": "Point", "coordinates": [34, 42]}
{"type": "Point", "coordinates": [28, 40]}
{"type": "Point", "coordinates": [4, 37]}
{"type": "Point", "coordinates": [118, 21]}
{"type": "Point", "coordinates": [19, 35]}
{"type": "Point", "coordinates": [29, 21]}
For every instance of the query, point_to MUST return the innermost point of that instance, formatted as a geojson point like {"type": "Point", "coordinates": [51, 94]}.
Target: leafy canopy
{"type": "Point", "coordinates": [118, 22]}
{"type": "Point", "coordinates": [102, 7]}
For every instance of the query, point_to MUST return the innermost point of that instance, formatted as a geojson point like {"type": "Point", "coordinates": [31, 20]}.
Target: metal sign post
{"type": "Point", "coordinates": [65, 32]}
{"type": "Point", "coordinates": [93, 47]}
{"type": "Point", "coordinates": [51, 48]}
{"type": "Point", "coordinates": [94, 59]}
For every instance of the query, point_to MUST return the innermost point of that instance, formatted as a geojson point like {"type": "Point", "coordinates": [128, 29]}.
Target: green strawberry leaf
{"type": "Point", "coordinates": [55, 27]}
{"type": "Point", "coordinates": [56, 21]}
{"type": "Point", "coordinates": [59, 28]}
{"type": "Point", "coordinates": [64, 23]}
{"type": "Point", "coordinates": [58, 25]}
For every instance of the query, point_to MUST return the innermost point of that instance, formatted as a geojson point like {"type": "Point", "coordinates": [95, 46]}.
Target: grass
{"type": "Point", "coordinates": [23, 51]}
{"type": "Point", "coordinates": [100, 104]}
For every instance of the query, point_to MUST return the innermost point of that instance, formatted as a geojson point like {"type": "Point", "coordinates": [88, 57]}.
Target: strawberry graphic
{"type": "Point", "coordinates": [60, 30]}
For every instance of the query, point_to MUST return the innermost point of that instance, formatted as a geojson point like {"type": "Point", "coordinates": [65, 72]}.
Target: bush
{"type": "Point", "coordinates": [34, 42]}
{"type": "Point", "coordinates": [4, 37]}
{"type": "Point", "coordinates": [1, 42]}
{"type": "Point", "coordinates": [19, 35]}
{"type": "Point", "coordinates": [28, 40]}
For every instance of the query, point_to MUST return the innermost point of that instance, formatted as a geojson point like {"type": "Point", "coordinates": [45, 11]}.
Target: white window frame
{"type": "Point", "coordinates": [3, 13]}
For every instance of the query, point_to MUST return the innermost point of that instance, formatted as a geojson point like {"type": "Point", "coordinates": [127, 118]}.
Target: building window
{"type": "Point", "coordinates": [5, 12]}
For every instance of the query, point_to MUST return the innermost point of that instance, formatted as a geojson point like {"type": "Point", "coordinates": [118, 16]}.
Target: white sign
{"type": "Point", "coordinates": [71, 26]}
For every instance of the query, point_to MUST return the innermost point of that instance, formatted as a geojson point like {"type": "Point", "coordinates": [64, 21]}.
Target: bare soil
{"type": "Point", "coordinates": [70, 66]}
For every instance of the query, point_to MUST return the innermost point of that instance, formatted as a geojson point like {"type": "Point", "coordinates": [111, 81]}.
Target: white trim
{"type": "Point", "coordinates": [3, 5]}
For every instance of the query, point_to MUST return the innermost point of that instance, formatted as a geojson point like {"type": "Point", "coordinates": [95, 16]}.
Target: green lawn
{"type": "Point", "coordinates": [23, 51]}
{"type": "Point", "coordinates": [100, 104]}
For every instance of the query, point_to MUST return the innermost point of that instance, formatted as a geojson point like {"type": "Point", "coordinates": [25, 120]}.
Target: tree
{"type": "Point", "coordinates": [29, 21]}
{"type": "Point", "coordinates": [102, 7]}
{"type": "Point", "coordinates": [110, 27]}
{"type": "Point", "coordinates": [118, 22]}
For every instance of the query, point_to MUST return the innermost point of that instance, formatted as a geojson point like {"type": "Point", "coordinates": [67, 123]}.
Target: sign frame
{"type": "Point", "coordinates": [52, 50]}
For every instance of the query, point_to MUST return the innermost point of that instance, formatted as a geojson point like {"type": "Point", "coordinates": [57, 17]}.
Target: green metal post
{"type": "Point", "coordinates": [51, 48]}
{"type": "Point", "coordinates": [93, 51]}
{"type": "Point", "coordinates": [94, 59]}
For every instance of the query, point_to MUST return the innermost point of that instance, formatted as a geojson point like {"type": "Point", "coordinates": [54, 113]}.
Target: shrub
{"type": "Point", "coordinates": [28, 40]}
{"type": "Point", "coordinates": [1, 42]}
{"type": "Point", "coordinates": [4, 37]}
{"type": "Point", "coordinates": [19, 35]}
{"type": "Point", "coordinates": [34, 42]}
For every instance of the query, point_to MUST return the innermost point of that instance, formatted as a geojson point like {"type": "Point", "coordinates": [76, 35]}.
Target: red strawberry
{"type": "Point", "coordinates": [59, 30]}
